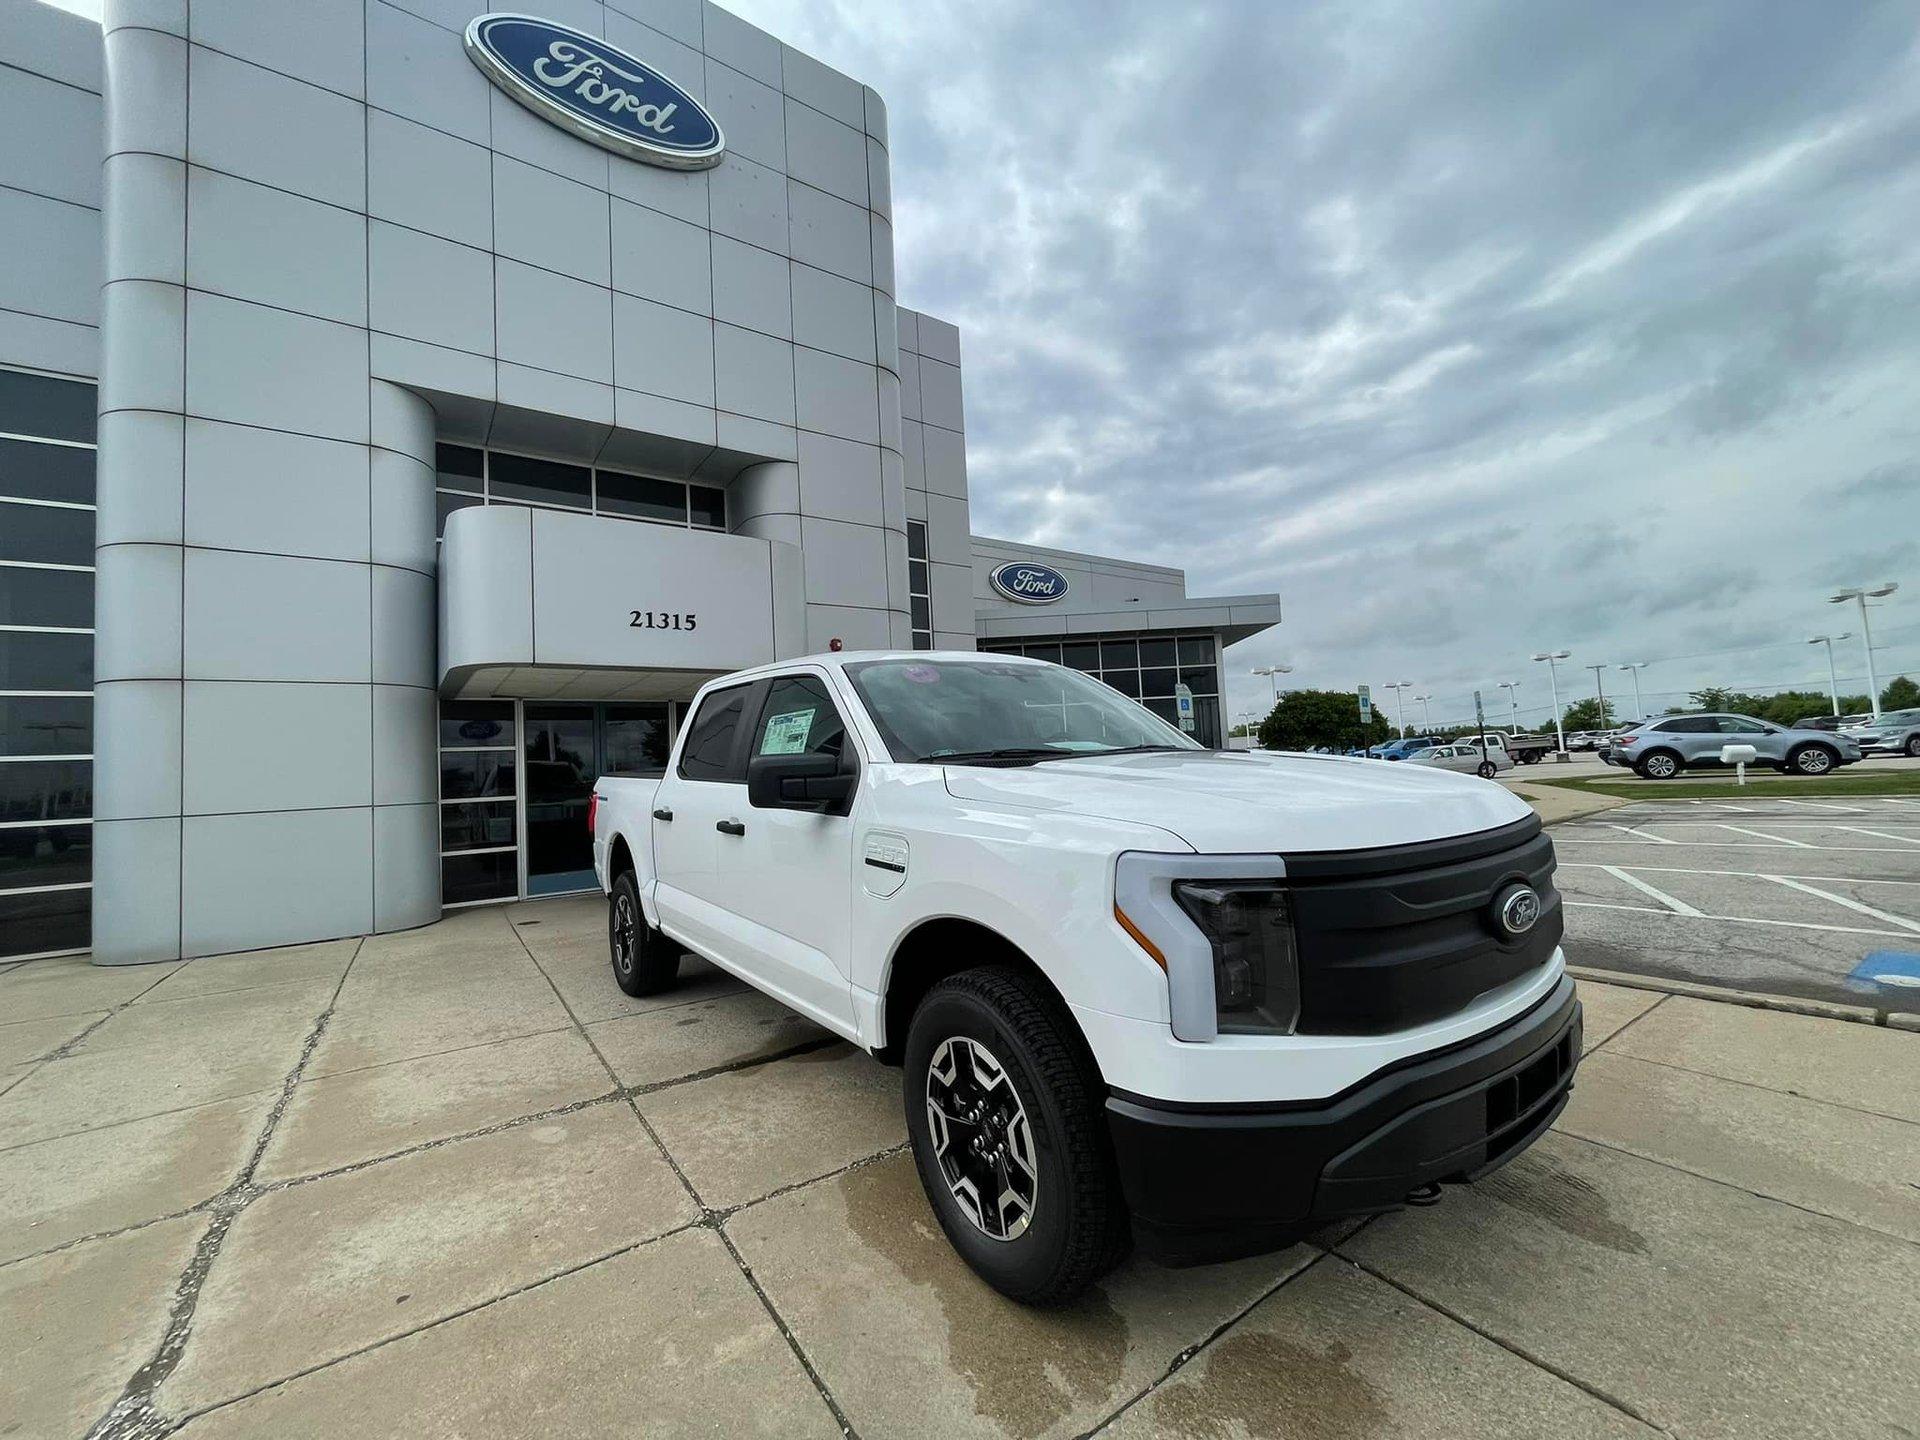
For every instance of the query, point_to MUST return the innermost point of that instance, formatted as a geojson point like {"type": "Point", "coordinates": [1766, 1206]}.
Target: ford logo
{"type": "Point", "coordinates": [596, 90]}
{"type": "Point", "coordinates": [1026, 583]}
{"type": "Point", "coordinates": [1516, 909]}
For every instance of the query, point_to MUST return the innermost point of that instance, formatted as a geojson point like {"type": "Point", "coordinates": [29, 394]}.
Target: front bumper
{"type": "Point", "coordinates": [1210, 1183]}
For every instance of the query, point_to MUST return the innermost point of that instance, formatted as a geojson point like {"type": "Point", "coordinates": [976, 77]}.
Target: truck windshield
{"type": "Point", "coordinates": [961, 710]}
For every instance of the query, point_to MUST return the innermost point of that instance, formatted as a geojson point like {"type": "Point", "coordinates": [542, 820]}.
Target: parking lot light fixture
{"type": "Point", "coordinates": [1426, 714]}
{"type": "Point", "coordinates": [1633, 668]}
{"type": "Point", "coordinates": [1833, 683]}
{"type": "Point", "coordinates": [1879, 592]}
{"type": "Point", "coordinates": [1400, 688]}
{"type": "Point", "coordinates": [1273, 672]}
{"type": "Point", "coordinates": [1512, 687]}
{"type": "Point", "coordinates": [1553, 678]}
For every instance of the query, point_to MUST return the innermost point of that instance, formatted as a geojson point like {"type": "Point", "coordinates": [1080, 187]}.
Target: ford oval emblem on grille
{"type": "Point", "coordinates": [1516, 910]}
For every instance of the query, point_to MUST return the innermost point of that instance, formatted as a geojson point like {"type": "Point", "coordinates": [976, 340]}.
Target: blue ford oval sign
{"type": "Point", "coordinates": [596, 90]}
{"type": "Point", "coordinates": [1029, 584]}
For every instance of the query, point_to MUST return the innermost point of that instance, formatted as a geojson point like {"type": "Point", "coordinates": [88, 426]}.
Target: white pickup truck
{"type": "Point", "coordinates": [1143, 992]}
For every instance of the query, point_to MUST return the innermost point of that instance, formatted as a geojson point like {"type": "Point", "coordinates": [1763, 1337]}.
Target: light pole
{"type": "Point", "coordinates": [1273, 672]}
{"type": "Point", "coordinates": [1553, 678]}
{"type": "Point", "coordinates": [1634, 668]}
{"type": "Point", "coordinates": [1400, 688]}
{"type": "Point", "coordinates": [1840, 597]}
{"type": "Point", "coordinates": [1426, 714]}
{"type": "Point", "coordinates": [1600, 690]}
{"type": "Point", "coordinates": [1833, 683]}
{"type": "Point", "coordinates": [1512, 687]}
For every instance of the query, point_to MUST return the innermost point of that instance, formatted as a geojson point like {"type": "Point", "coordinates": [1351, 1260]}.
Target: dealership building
{"type": "Point", "coordinates": [402, 413]}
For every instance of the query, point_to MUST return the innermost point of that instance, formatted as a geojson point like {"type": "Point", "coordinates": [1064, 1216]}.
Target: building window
{"type": "Point", "coordinates": [479, 794]}
{"type": "Point", "coordinates": [467, 476]}
{"type": "Point", "coordinates": [1147, 668]}
{"type": "Point", "coordinates": [919, 585]}
{"type": "Point", "coordinates": [46, 664]}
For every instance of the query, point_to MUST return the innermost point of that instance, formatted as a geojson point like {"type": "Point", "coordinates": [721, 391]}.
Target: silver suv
{"type": "Point", "coordinates": [1896, 732]}
{"type": "Point", "coordinates": [1661, 749]}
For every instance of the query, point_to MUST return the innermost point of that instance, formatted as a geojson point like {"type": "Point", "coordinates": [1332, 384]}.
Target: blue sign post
{"type": "Point", "coordinates": [1366, 705]}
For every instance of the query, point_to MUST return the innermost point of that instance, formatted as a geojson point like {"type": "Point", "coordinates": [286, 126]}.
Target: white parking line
{"type": "Point", "coordinates": [1678, 907]}
{"type": "Point", "coordinates": [1739, 874]}
{"type": "Point", "coordinates": [1912, 926]}
{"type": "Point", "coordinates": [1643, 834]}
{"type": "Point", "coordinates": [1734, 919]}
{"type": "Point", "coordinates": [1762, 835]}
{"type": "Point", "coordinates": [1814, 804]}
{"type": "Point", "coordinates": [1877, 834]}
{"type": "Point", "coordinates": [1745, 845]}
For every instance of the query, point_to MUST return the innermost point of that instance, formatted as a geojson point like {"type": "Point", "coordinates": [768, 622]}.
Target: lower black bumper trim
{"type": "Point", "coordinates": [1209, 1185]}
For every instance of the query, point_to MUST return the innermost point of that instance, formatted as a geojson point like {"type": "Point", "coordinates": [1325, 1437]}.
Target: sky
{"type": "Point", "coordinates": [1472, 330]}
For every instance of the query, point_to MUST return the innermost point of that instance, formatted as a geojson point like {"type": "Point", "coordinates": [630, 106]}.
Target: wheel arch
{"type": "Point", "coordinates": [1679, 760]}
{"type": "Point", "coordinates": [619, 859]}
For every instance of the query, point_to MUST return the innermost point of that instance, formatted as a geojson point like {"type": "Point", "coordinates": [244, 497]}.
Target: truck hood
{"type": "Point", "coordinates": [1227, 802]}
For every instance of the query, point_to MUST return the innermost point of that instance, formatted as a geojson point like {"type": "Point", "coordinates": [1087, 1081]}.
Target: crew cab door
{"type": "Point", "coordinates": [706, 784]}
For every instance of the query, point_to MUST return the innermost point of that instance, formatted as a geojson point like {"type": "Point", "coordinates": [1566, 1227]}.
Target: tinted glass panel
{"type": "Point", "coordinates": [1196, 650]}
{"type": "Point", "coordinates": [917, 577]}
{"type": "Point", "coordinates": [1165, 709]}
{"type": "Point", "coordinates": [923, 639]}
{"type": "Point", "coordinates": [46, 472]}
{"type": "Point", "coordinates": [53, 920]}
{"type": "Point", "coordinates": [559, 753]}
{"type": "Point", "coordinates": [46, 662]}
{"type": "Point", "coordinates": [36, 725]}
{"type": "Point", "coordinates": [478, 877]}
{"type": "Point", "coordinates": [636, 740]}
{"type": "Point", "coordinates": [476, 826]}
{"type": "Point", "coordinates": [46, 855]}
{"type": "Point", "coordinates": [46, 790]}
{"type": "Point", "coordinates": [710, 749]}
{"type": "Point", "coordinates": [40, 532]}
{"type": "Point", "coordinates": [1156, 682]}
{"type": "Point", "coordinates": [1156, 652]}
{"type": "Point", "coordinates": [42, 405]}
{"type": "Point", "coordinates": [470, 773]}
{"type": "Point", "coordinates": [708, 506]}
{"type": "Point", "coordinates": [45, 597]}
{"type": "Point", "coordinates": [917, 539]}
{"type": "Point", "coordinates": [642, 497]}
{"type": "Point", "coordinates": [799, 718]}
{"type": "Point", "coordinates": [476, 722]}
{"type": "Point", "coordinates": [447, 504]}
{"type": "Point", "coordinates": [460, 468]}
{"type": "Point", "coordinates": [1119, 654]}
{"type": "Point", "coordinates": [1085, 655]}
{"type": "Point", "coordinates": [1127, 682]}
{"type": "Point", "coordinates": [922, 612]}
{"type": "Point", "coordinates": [1202, 680]}
{"type": "Point", "coordinates": [548, 481]}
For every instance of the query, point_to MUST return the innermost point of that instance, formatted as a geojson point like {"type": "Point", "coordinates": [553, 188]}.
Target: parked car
{"type": "Point", "coordinates": [1144, 993]}
{"type": "Point", "coordinates": [1466, 756]}
{"type": "Point", "coordinates": [1661, 749]}
{"type": "Point", "coordinates": [1897, 732]}
{"type": "Point", "coordinates": [1832, 722]}
{"type": "Point", "coordinates": [1401, 749]}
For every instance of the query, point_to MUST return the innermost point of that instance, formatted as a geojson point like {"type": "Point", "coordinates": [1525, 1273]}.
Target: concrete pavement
{"type": "Point", "coordinates": [453, 1181]}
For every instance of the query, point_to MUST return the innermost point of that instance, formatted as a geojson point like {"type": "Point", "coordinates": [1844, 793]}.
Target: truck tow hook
{"type": "Point", "coordinates": [1428, 1194]}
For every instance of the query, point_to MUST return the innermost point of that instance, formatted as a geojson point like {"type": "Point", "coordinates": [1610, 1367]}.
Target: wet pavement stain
{"type": "Point", "coordinates": [1028, 1370]}
{"type": "Point", "coordinates": [1541, 1186]}
{"type": "Point", "coordinates": [1268, 1388]}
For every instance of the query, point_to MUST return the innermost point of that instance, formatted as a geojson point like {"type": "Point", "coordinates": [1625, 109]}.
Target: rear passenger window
{"type": "Point", "coordinates": [799, 719]}
{"type": "Point", "coordinates": [712, 751]}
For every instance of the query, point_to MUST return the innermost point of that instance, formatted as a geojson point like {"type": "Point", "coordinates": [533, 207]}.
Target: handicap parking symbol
{"type": "Point", "coordinates": [1885, 970]}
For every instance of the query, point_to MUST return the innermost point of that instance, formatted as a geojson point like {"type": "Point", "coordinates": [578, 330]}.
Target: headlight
{"type": "Point", "coordinates": [1256, 976]}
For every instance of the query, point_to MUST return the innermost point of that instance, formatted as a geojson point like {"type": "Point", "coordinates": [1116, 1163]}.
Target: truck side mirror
{"type": "Point", "coordinates": [799, 782]}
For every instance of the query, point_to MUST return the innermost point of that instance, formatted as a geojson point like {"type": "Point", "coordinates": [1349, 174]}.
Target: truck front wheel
{"type": "Point", "coordinates": [1004, 1112]}
{"type": "Point", "coordinates": [644, 961]}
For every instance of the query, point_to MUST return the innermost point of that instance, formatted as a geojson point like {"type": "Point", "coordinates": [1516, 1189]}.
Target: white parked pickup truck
{"type": "Point", "coordinates": [1143, 992]}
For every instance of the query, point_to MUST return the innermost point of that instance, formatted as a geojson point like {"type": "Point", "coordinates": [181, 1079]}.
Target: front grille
{"type": "Point", "coordinates": [1400, 936]}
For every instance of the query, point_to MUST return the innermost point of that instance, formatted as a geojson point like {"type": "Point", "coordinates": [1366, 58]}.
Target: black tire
{"type": "Point", "coordinates": [645, 962]}
{"type": "Point", "coordinates": [1912, 746]}
{"type": "Point", "coordinates": [1658, 765]}
{"type": "Point", "coordinates": [1532, 757]}
{"type": "Point", "coordinates": [1075, 1227]}
{"type": "Point", "coordinates": [1812, 760]}
{"type": "Point", "coordinates": [1487, 770]}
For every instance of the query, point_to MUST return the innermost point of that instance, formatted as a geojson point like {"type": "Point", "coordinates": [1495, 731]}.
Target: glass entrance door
{"type": "Point", "coordinates": [566, 748]}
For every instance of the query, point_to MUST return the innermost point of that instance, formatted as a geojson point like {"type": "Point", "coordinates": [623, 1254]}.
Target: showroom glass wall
{"type": "Point", "coordinates": [46, 663]}
{"type": "Point", "coordinates": [515, 775]}
{"type": "Point", "coordinates": [1141, 667]}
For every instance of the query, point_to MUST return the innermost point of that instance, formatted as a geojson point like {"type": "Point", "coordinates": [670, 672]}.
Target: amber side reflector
{"type": "Point", "coordinates": [1138, 938]}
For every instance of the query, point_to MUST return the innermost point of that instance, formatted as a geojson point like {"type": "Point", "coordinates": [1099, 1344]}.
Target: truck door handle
{"type": "Point", "coordinates": [730, 827]}
{"type": "Point", "coordinates": [663, 813]}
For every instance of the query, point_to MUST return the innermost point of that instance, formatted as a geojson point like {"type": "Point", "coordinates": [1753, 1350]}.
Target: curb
{"type": "Point", "coordinates": [1755, 1000]}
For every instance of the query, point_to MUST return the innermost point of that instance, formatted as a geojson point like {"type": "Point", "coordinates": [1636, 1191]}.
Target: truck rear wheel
{"type": "Point", "coordinates": [1004, 1112]}
{"type": "Point", "coordinates": [644, 961]}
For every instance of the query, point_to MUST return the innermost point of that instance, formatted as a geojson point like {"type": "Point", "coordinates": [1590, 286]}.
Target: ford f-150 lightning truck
{"type": "Point", "coordinates": [1143, 993]}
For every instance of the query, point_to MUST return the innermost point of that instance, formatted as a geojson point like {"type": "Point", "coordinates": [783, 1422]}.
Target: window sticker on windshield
{"type": "Point", "coordinates": [922, 674]}
{"type": "Point", "coordinates": [787, 734]}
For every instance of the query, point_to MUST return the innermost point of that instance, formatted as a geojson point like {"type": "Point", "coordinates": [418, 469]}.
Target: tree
{"type": "Point", "coordinates": [1902, 694]}
{"type": "Point", "coordinates": [1305, 718]}
{"type": "Point", "coordinates": [1587, 715]}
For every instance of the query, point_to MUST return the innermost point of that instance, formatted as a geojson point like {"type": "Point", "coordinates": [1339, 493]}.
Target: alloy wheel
{"type": "Point", "coordinates": [982, 1140]}
{"type": "Point", "coordinates": [626, 933]}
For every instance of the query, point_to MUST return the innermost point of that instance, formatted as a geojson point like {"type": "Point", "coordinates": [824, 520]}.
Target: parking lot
{"type": "Point", "coordinates": [1802, 897]}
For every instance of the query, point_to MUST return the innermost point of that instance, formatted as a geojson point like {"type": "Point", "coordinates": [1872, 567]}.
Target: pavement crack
{"type": "Point", "coordinates": [786, 1333]}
